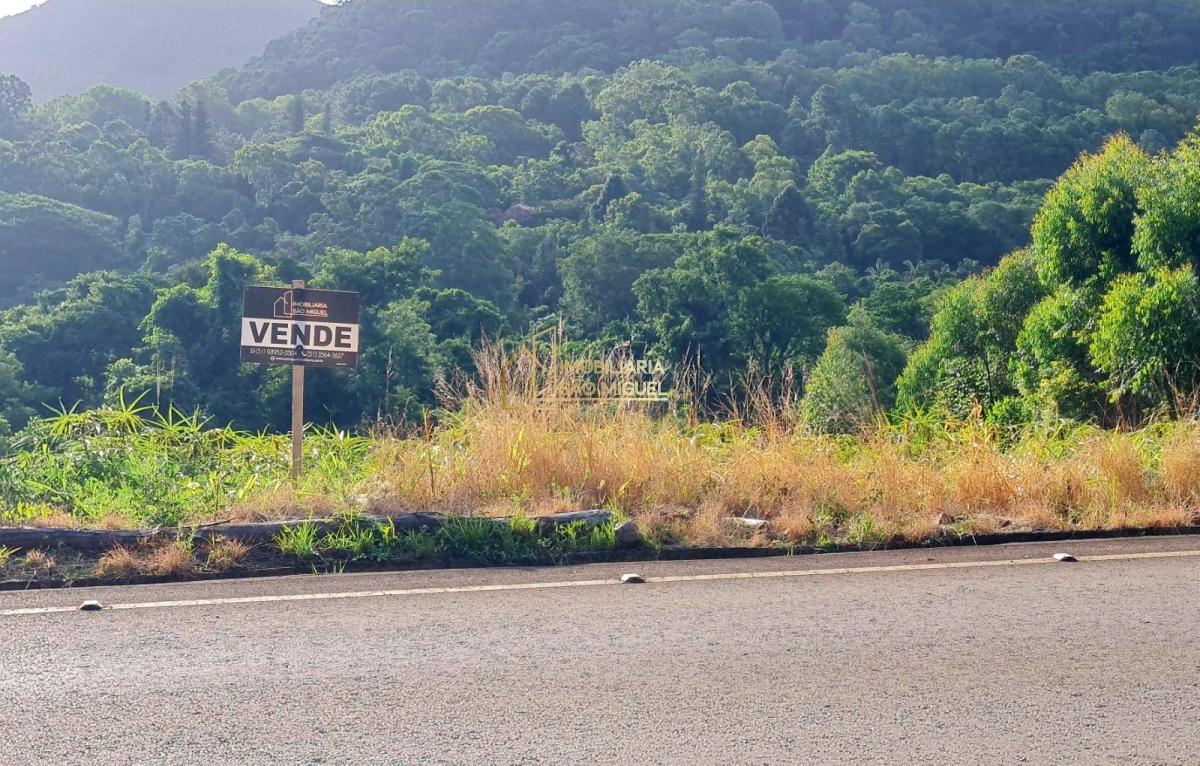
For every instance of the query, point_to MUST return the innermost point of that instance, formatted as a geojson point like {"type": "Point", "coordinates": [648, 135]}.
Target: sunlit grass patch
{"type": "Point", "coordinates": [118, 563]}
{"type": "Point", "coordinates": [174, 558]}
{"type": "Point", "coordinates": [130, 465]}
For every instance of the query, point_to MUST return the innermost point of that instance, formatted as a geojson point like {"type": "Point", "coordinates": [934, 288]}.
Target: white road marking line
{"type": "Point", "coordinates": [594, 583]}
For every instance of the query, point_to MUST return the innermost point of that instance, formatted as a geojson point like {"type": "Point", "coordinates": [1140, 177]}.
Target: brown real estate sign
{"type": "Point", "coordinates": [299, 326]}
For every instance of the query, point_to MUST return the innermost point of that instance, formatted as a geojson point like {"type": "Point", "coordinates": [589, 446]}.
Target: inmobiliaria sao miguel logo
{"type": "Point", "coordinates": [546, 369]}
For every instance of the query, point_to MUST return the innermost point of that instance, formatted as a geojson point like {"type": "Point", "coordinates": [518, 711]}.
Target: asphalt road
{"type": "Point", "coordinates": [953, 656]}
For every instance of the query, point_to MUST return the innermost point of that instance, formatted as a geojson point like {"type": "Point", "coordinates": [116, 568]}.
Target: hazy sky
{"type": "Point", "coordinates": [9, 7]}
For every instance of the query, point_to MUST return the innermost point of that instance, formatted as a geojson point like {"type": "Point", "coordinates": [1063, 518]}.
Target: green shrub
{"type": "Point", "coordinates": [854, 381]}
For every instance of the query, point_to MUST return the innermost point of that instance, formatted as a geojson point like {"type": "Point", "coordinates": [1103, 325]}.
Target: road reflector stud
{"type": "Point", "coordinates": [632, 578]}
{"type": "Point", "coordinates": [1064, 557]}
{"type": "Point", "coordinates": [91, 606]}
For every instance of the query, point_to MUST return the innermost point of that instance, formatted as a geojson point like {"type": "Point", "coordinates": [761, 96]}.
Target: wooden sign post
{"type": "Point", "coordinates": [302, 328]}
{"type": "Point", "coordinates": [298, 404]}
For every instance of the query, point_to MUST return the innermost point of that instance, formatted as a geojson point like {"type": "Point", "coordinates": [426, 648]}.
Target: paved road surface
{"type": "Point", "coordinates": [1093, 662]}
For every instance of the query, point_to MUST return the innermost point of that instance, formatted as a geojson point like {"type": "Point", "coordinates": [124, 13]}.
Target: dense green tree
{"type": "Point", "coordinates": [896, 306]}
{"type": "Point", "coordinates": [195, 333]}
{"type": "Point", "coordinates": [1084, 230]}
{"type": "Point", "coordinates": [395, 376]}
{"type": "Point", "coordinates": [790, 218]}
{"type": "Point", "coordinates": [697, 201]}
{"type": "Point", "coordinates": [965, 365]}
{"type": "Point", "coordinates": [690, 306]}
{"type": "Point", "coordinates": [1168, 222]}
{"type": "Point", "coordinates": [43, 241]}
{"type": "Point", "coordinates": [202, 138]}
{"type": "Point", "coordinates": [853, 383]}
{"type": "Point", "coordinates": [1109, 329]}
{"type": "Point", "coordinates": [19, 399]}
{"type": "Point", "coordinates": [1052, 368]}
{"type": "Point", "coordinates": [614, 189]}
{"type": "Point", "coordinates": [511, 134]}
{"type": "Point", "coordinates": [185, 134]}
{"type": "Point", "coordinates": [468, 254]}
{"type": "Point", "coordinates": [781, 323]}
{"type": "Point", "coordinates": [15, 102]}
{"type": "Point", "coordinates": [1145, 340]}
{"type": "Point", "coordinates": [600, 270]}
{"type": "Point", "coordinates": [381, 276]}
{"type": "Point", "coordinates": [461, 323]}
{"type": "Point", "coordinates": [456, 314]}
{"type": "Point", "coordinates": [162, 123]}
{"type": "Point", "coordinates": [68, 338]}
{"type": "Point", "coordinates": [297, 113]}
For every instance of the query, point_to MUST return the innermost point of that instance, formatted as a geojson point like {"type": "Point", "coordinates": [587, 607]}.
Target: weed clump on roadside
{"type": "Point", "coordinates": [225, 554]}
{"type": "Point", "coordinates": [172, 559]}
{"type": "Point", "coordinates": [299, 540]}
{"type": "Point", "coordinates": [40, 562]}
{"type": "Point", "coordinates": [118, 564]}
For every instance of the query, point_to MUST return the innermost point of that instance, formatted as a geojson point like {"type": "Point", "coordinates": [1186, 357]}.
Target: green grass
{"type": "Point", "coordinates": [300, 540]}
{"type": "Point", "coordinates": [130, 464]}
{"type": "Point", "coordinates": [419, 545]}
{"type": "Point", "coordinates": [352, 542]}
{"type": "Point", "coordinates": [476, 540]}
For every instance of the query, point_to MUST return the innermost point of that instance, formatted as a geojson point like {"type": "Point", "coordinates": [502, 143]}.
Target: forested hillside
{"type": "Point", "coordinates": [793, 184]}
{"type": "Point", "coordinates": [440, 38]}
{"type": "Point", "coordinates": [153, 46]}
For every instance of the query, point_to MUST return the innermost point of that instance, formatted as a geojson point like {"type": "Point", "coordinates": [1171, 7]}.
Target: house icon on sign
{"type": "Point", "coordinates": [283, 306]}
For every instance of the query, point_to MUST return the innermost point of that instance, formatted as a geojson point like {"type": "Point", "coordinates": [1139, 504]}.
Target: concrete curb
{"type": "Point", "coordinates": [100, 540]}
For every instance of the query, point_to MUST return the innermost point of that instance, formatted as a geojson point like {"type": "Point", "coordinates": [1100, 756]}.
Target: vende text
{"type": "Point", "coordinates": [282, 333]}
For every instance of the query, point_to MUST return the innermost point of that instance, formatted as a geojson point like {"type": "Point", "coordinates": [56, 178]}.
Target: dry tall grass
{"type": "Point", "coordinates": [171, 558]}
{"type": "Point", "coordinates": [40, 561]}
{"type": "Point", "coordinates": [225, 554]}
{"type": "Point", "coordinates": [687, 479]}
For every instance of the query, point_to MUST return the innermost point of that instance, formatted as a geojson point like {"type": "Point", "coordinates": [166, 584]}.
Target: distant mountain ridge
{"type": "Point", "coordinates": [487, 38]}
{"type": "Point", "coordinates": [150, 46]}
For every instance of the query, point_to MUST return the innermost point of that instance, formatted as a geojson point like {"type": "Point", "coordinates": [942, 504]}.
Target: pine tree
{"type": "Point", "coordinates": [162, 126]}
{"type": "Point", "coordinates": [202, 140]}
{"type": "Point", "coordinates": [614, 189]}
{"type": "Point", "coordinates": [183, 138]}
{"type": "Point", "coordinates": [16, 99]}
{"type": "Point", "coordinates": [697, 203]}
{"type": "Point", "coordinates": [298, 115]}
{"type": "Point", "coordinates": [790, 217]}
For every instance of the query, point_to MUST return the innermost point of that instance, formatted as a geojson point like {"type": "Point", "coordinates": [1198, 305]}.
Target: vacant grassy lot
{"type": "Point", "coordinates": [682, 480]}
